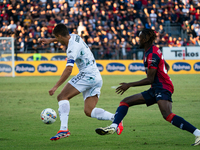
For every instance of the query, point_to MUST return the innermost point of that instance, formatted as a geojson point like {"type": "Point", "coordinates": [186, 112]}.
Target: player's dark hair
{"type": "Point", "coordinates": [60, 29]}
{"type": "Point", "coordinates": [150, 35]}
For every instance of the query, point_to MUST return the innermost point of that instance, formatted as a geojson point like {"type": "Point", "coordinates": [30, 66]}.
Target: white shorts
{"type": "Point", "coordinates": [87, 83]}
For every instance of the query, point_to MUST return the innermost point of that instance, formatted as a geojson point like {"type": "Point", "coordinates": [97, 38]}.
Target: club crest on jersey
{"type": "Point", "coordinates": [82, 53]}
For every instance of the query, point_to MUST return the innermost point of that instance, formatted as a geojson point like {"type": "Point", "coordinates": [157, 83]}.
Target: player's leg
{"type": "Point", "coordinates": [64, 107]}
{"type": "Point", "coordinates": [89, 105]}
{"type": "Point", "coordinates": [67, 92]}
{"type": "Point", "coordinates": [91, 110]}
{"type": "Point", "coordinates": [121, 113]}
{"type": "Point", "coordinates": [165, 107]}
{"type": "Point", "coordinates": [91, 94]}
{"type": "Point", "coordinates": [122, 110]}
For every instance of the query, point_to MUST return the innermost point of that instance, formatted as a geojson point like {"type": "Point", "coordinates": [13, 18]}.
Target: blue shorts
{"type": "Point", "coordinates": [153, 95]}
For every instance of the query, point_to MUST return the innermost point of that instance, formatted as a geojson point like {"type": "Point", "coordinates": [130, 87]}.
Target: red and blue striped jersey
{"type": "Point", "coordinates": [153, 58]}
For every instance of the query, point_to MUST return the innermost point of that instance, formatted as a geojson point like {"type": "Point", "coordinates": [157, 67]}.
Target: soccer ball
{"type": "Point", "coordinates": [48, 116]}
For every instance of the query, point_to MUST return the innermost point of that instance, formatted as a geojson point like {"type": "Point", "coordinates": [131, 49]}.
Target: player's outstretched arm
{"type": "Point", "coordinates": [65, 75]}
{"type": "Point", "coordinates": [146, 81]}
{"type": "Point", "coordinates": [47, 41]}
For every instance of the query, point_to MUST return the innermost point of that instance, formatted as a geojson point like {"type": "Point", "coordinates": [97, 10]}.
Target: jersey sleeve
{"type": "Point", "coordinates": [153, 60]}
{"type": "Point", "coordinates": [71, 55]}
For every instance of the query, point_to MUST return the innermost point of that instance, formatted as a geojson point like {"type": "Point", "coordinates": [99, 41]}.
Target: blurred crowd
{"type": "Point", "coordinates": [109, 27]}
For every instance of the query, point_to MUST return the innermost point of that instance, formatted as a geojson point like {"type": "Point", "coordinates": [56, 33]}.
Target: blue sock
{"type": "Point", "coordinates": [182, 124]}
{"type": "Point", "coordinates": [121, 112]}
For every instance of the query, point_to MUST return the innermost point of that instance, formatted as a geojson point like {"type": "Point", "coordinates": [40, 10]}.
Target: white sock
{"type": "Point", "coordinates": [101, 114]}
{"type": "Point", "coordinates": [196, 132]}
{"type": "Point", "coordinates": [114, 125]}
{"type": "Point", "coordinates": [63, 110]}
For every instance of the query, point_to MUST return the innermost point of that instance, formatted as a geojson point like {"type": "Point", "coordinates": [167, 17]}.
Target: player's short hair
{"type": "Point", "coordinates": [60, 29]}
{"type": "Point", "coordinates": [150, 35]}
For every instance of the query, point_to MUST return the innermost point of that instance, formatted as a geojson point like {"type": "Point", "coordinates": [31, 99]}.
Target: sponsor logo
{"type": "Point", "coordinates": [9, 58]}
{"type": "Point", "coordinates": [20, 68]}
{"type": "Point", "coordinates": [133, 67]}
{"type": "Point", "coordinates": [184, 53]}
{"type": "Point", "coordinates": [111, 67]}
{"type": "Point", "coordinates": [159, 96]}
{"type": "Point", "coordinates": [58, 57]}
{"type": "Point", "coordinates": [197, 66]}
{"type": "Point", "coordinates": [42, 68]}
{"type": "Point", "coordinates": [153, 60]}
{"type": "Point", "coordinates": [42, 58]}
{"type": "Point", "coordinates": [181, 66]}
{"type": "Point", "coordinates": [100, 67]}
{"type": "Point", "coordinates": [5, 68]}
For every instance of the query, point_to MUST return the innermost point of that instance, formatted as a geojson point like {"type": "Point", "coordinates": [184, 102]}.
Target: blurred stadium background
{"type": "Point", "coordinates": [110, 28]}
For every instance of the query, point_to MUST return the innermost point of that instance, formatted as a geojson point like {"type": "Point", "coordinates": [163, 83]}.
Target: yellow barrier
{"type": "Point", "coordinates": [39, 68]}
{"type": "Point", "coordinates": [120, 67]}
{"type": "Point", "coordinates": [106, 67]}
{"type": "Point", "coordinates": [5, 68]}
{"type": "Point", "coordinates": [45, 56]}
{"type": "Point", "coordinates": [184, 66]}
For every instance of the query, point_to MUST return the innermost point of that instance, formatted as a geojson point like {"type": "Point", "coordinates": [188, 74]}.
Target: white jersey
{"type": "Point", "coordinates": [80, 53]}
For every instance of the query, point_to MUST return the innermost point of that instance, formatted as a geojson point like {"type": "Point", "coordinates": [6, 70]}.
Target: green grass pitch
{"type": "Point", "coordinates": [23, 98]}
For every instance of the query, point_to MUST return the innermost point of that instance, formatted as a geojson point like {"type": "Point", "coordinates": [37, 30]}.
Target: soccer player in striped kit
{"type": "Point", "coordinates": [160, 92]}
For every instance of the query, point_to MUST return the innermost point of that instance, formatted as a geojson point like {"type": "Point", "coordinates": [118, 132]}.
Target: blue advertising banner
{"type": "Point", "coordinates": [106, 67]}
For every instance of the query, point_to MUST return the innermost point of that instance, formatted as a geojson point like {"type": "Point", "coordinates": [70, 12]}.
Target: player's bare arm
{"type": "Point", "coordinates": [149, 80]}
{"type": "Point", "coordinates": [47, 41]}
{"type": "Point", "coordinates": [65, 75]}
{"type": "Point", "coordinates": [167, 66]}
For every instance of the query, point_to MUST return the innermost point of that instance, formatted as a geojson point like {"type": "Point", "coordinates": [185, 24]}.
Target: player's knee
{"type": "Point", "coordinates": [134, 100]}
{"type": "Point", "coordinates": [60, 97]}
{"type": "Point", "coordinates": [87, 112]}
{"type": "Point", "coordinates": [125, 100]}
{"type": "Point", "coordinates": [165, 115]}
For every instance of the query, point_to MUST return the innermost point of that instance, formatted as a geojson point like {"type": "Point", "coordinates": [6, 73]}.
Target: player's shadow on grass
{"type": "Point", "coordinates": [4, 139]}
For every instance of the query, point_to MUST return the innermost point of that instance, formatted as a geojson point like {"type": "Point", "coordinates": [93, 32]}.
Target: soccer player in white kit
{"type": "Point", "coordinates": [88, 81]}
